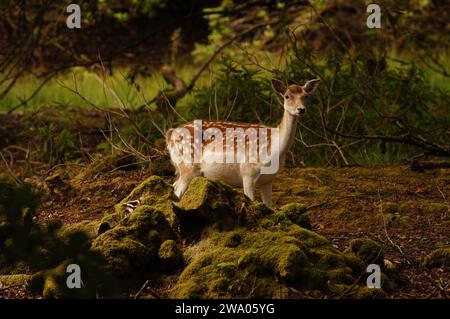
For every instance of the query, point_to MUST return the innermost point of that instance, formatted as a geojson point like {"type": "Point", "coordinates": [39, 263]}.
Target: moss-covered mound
{"type": "Point", "coordinates": [213, 202]}
{"type": "Point", "coordinates": [277, 260]}
{"type": "Point", "coordinates": [240, 248]}
{"type": "Point", "coordinates": [296, 214]}
{"type": "Point", "coordinates": [213, 243]}
{"type": "Point", "coordinates": [53, 283]}
{"type": "Point", "coordinates": [134, 244]}
{"type": "Point", "coordinates": [367, 250]}
{"type": "Point", "coordinates": [91, 228]}
{"type": "Point", "coordinates": [143, 233]}
{"type": "Point", "coordinates": [151, 192]}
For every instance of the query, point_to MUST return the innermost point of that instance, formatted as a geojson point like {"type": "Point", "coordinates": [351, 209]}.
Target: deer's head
{"type": "Point", "coordinates": [295, 95]}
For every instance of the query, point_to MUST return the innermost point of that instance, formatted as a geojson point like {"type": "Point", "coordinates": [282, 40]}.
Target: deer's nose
{"type": "Point", "coordinates": [301, 110]}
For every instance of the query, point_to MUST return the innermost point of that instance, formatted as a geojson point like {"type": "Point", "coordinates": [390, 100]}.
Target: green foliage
{"type": "Point", "coordinates": [238, 94]}
{"type": "Point", "coordinates": [17, 206]}
{"type": "Point", "coordinates": [56, 145]}
{"type": "Point", "coordinates": [221, 29]}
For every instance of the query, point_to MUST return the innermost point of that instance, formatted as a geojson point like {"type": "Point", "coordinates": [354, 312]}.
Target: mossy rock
{"type": "Point", "coordinates": [134, 244]}
{"type": "Point", "coordinates": [14, 280]}
{"type": "Point", "coordinates": [367, 250]}
{"type": "Point", "coordinates": [170, 255]}
{"type": "Point", "coordinates": [88, 227]}
{"type": "Point", "coordinates": [438, 258]}
{"type": "Point", "coordinates": [213, 202]}
{"type": "Point", "coordinates": [51, 284]}
{"type": "Point", "coordinates": [275, 257]}
{"type": "Point", "coordinates": [232, 239]}
{"type": "Point", "coordinates": [151, 192]}
{"type": "Point", "coordinates": [124, 255]}
{"type": "Point", "coordinates": [297, 214]}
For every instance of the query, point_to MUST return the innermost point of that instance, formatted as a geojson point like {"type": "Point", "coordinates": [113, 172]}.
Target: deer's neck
{"type": "Point", "coordinates": [287, 130]}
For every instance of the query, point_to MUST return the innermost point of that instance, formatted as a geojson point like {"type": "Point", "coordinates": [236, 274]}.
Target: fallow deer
{"type": "Point", "coordinates": [192, 153]}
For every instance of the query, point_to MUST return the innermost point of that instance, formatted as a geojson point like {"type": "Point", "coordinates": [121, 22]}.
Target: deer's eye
{"type": "Point", "coordinates": [286, 97]}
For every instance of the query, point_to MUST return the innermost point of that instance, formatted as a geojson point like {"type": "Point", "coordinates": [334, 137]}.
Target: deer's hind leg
{"type": "Point", "coordinates": [186, 173]}
{"type": "Point", "coordinates": [249, 184]}
{"type": "Point", "coordinates": [266, 194]}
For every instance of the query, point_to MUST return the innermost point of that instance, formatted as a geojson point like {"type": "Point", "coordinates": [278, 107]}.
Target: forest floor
{"type": "Point", "coordinates": [407, 212]}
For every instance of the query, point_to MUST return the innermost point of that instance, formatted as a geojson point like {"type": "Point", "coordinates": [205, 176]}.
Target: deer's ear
{"type": "Point", "coordinates": [311, 85]}
{"type": "Point", "coordinates": [278, 86]}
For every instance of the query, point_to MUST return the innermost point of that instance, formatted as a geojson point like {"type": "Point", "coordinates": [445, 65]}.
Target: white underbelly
{"type": "Point", "coordinates": [229, 173]}
{"type": "Point", "coordinates": [213, 166]}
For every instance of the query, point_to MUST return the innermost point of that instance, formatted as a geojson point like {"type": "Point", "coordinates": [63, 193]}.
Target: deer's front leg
{"type": "Point", "coordinates": [248, 183]}
{"type": "Point", "coordinates": [266, 194]}
{"type": "Point", "coordinates": [187, 173]}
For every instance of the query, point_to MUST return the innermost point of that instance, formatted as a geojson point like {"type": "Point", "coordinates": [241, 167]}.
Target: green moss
{"type": "Point", "coordinates": [278, 256]}
{"type": "Point", "coordinates": [367, 250]}
{"type": "Point", "coordinates": [288, 261]}
{"type": "Point", "coordinates": [327, 258]}
{"type": "Point", "coordinates": [170, 255]}
{"type": "Point", "coordinates": [232, 239]}
{"type": "Point", "coordinates": [252, 261]}
{"type": "Point", "coordinates": [227, 268]}
{"type": "Point", "coordinates": [356, 292]}
{"type": "Point", "coordinates": [355, 263]}
{"type": "Point", "coordinates": [438, 258]}
{"type": "Point", "coordinates": [134, 244]}
{"type": "Point", "coordinates": [124, 255]}
{"type": "Point", "coordinates": [308, 237]}
{"type": "Point", "coordinates": [88, 227]}
{"type": "Point", "coordinates": [296, 213]}
{"type": "Point", "coordinates": [209, 202]}
{"type": "Point", "coordinates": [51, 284]}
{"type": "Point", "coordinates": [343, 275]}
{"type": "Point", "coordinates": [151, 192]}
{"type": "Point", "coordinates": [14, 280]}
